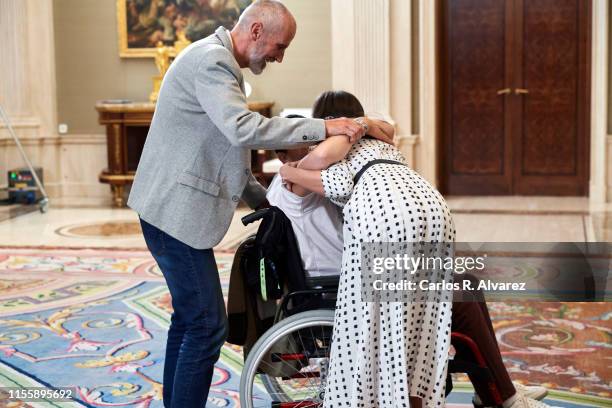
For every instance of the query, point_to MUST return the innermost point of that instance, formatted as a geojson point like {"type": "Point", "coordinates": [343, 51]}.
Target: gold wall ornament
{"type": "Point", "coordinates": [157, 80]}
{"type": "Point", "coordinates": [162, 58]}
{"type": "Point", "coordinates": [181, 43]}
{"type": "Point", "coordinates": [162, 62]}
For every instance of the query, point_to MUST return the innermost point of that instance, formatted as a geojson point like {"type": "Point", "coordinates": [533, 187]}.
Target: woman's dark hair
{"type": "Point", "coordinates": [337, 104]}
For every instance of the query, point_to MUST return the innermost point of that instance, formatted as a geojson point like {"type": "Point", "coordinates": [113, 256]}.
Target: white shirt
{"type": "Point", "coordinates": [317, 225]}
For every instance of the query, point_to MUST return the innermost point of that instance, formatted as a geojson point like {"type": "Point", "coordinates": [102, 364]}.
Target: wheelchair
{"type": "Point", "coordinates": [287, 366]}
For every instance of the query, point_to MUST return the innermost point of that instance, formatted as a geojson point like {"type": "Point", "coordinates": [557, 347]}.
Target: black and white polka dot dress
{"type": "Point", "coordinates": [384, 352]}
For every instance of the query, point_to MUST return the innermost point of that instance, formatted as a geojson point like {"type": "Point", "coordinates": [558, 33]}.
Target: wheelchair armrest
{"type": "Point", "coordinates": [254, 216]}
{"type": "Point", "coordinates": [324, 282]}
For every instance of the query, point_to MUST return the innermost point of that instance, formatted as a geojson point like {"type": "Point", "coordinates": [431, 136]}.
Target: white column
{"type": "Point", "coordinates": [401, 72]}
{"type": "Point", "coordinates": [360, 51]}
{"type": "Point", "coordinates": [427, 90]}
{"type": "Point", "coordinates": [41, 59]}
{"type": "Point", "coordinates": [343, 45]}
{"type": "Point", "coordinates": [599, 102]}
{"type": "Point", "coordinates": [27, 71]}
{"type": "Point", "coordinates": [14, 70]}
{"type": "Point", "coordinates": [401, 65]}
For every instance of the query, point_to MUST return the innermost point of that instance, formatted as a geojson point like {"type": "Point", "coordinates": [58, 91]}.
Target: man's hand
{"type": "Point", "coordinates": [344, 126]}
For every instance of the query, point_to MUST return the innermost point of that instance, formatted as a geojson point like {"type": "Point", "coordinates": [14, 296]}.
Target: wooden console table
{"type": "Point", "coordinates": [127, 125]}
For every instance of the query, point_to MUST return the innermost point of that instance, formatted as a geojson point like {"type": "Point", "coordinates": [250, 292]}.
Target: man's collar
{"type": "Point", "coordinates": [229, 35]}
{"type": "Point", "coordinates": [226, 39]}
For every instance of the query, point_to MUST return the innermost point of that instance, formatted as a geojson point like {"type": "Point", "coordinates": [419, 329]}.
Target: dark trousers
{"type": "Point", "coordinates": [471, 317]}
{"type": "Point", "coordinates": [198, 325]}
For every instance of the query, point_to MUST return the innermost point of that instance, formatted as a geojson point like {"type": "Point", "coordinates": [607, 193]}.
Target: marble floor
{"type": "Point", "coordinates": [477, 219]}
{"type": "Point", "coordinates": [92, 227]}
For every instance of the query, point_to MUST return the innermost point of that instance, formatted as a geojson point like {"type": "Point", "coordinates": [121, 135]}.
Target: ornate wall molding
{"type": "Point", "coordinates": [67, 174]}
{"type": "Point", "coordinates": [66, 140]}
{"type": "Point", "coordinates": [408, 146]}
{"type": "Point", "coordinates": [24, 127]}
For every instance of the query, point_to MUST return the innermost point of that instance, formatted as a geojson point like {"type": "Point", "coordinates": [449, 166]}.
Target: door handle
{"type": "Point", "coordinates": [521, 91]}
{"type": "Point", "coordinates": [504, 91]}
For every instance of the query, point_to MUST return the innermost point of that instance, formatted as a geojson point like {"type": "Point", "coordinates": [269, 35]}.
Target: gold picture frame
{"type": "Point", "coordinates": [124, 50]}
{"type": "Point", "coordinates": [164, 20]}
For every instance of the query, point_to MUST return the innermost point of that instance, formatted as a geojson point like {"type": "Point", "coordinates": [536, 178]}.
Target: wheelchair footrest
{"type": "Point", "coordinates": [301, 375]}
{"type": "Point", "coordinates": [296, 404]}
{"type": "Point", "coordinates": [278, 357]}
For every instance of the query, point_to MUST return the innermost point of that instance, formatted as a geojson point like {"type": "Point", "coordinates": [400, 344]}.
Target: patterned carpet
{"type": "Point", "coordinates": [96, 320]}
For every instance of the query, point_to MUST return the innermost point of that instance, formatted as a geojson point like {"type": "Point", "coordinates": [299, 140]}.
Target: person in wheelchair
{"type": "Point", "coordinates": [317, 225]}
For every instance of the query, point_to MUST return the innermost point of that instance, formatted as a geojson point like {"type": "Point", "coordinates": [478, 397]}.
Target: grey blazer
{"type": "Point", "coordinates": [195, 165]}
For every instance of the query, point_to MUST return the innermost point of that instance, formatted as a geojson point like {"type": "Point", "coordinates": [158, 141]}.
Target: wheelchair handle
{"type": "Point", "coordinates": [254, 216]}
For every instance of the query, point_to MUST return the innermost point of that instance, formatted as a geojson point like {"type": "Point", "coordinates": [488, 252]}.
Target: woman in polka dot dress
{"type": "Point", "coordinates": [383, 354]}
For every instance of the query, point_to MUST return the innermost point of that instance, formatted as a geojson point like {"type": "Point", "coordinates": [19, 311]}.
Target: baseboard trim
{"type": "Point", "coordinates": [75, 139]}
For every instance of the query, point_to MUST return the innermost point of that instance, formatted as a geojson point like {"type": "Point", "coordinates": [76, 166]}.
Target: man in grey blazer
{"type": "Point", "coordinates": [195, 168]}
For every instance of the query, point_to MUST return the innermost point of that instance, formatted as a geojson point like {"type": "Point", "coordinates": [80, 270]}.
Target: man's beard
{"type": "Point", "coordinates": [257, 67]}
{"type": "Point", "coordinates": [257, 62]}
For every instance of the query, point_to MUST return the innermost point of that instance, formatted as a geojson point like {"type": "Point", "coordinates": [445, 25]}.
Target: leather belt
{"type": "Point", "coordinates": [372, 163]}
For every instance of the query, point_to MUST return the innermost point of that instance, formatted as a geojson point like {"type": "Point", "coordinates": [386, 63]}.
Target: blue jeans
{"type": "Point", "coordinates": [198, 326]}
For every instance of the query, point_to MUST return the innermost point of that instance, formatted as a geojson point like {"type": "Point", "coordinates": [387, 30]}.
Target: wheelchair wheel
{"type": "Point", "coordinates": [287, 366]}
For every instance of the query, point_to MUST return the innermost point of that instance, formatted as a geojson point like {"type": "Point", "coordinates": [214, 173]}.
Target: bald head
{"type": "Point", "coordinates": [263, 33]}
{"type": "Point", "coordinates": [271, 13]}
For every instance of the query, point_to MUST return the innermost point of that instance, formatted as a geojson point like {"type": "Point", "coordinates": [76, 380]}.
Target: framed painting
{"type": "Point", "coordinates": [142, 24]}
